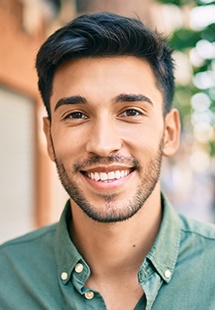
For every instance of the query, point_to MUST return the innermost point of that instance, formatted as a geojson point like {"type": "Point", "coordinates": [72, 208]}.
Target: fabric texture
{"type": "Point", "coordinates": [43, 269]}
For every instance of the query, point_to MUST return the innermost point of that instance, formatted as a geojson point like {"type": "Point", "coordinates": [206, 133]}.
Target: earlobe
{"type": "Point", "coordinates": [47, 131]}
{"type": "Point", "coordinates": [171, 133]}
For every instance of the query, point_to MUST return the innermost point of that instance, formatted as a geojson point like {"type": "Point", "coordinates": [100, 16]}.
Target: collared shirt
{"type": "Point", "coordinates": [43, 269]}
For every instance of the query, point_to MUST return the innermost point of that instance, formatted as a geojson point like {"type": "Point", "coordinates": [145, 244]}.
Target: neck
{"type": "Point", "coordinates": [117, 246]}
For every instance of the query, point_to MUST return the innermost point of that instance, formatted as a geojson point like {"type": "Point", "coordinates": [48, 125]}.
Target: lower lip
{"type": "Point", "coordinates": [114, 184]}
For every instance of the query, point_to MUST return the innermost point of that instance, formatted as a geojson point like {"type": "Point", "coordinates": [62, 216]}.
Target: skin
{"type": "Point", "coordinates": [107, 116]}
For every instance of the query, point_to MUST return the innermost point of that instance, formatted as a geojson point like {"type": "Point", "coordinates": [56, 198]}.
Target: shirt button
{"type": "Point", "coordinates": [79, 268]}
{"type": "Point", "coordinates": [89, 295]}
{"type": "Point", "coordinates": [64, 276]}
{"type": "Point", "coordinates": [167, 274]}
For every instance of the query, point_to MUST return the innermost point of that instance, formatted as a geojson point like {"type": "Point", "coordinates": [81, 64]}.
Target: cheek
{"type": "Point", "coordinates": [67, 141]}
{"type": "Point", "coordinates": [143, 140]}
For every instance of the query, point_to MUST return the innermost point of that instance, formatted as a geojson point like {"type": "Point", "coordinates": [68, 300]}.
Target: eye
{"type": "Point", "coordinates": [76, 115]}
{"type": "Point", "coordinates": [131, 113]}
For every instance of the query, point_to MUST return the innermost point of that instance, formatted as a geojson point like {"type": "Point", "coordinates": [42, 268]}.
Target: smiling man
{"type": "Point", "coordinates": [107, 83]}
{"type": "Point", "coordinates": [99, 106]}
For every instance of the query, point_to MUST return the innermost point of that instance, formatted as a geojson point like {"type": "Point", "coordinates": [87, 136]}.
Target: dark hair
{"type": "Point", "coordinates": [105, 35]}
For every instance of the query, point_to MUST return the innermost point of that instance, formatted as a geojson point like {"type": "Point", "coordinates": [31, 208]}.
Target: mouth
{"type": "Point", "coordinates": [107, 177]}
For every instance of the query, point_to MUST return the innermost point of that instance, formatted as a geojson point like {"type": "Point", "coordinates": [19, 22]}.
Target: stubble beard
{"type": "Point", "coordinates": [111, 210]}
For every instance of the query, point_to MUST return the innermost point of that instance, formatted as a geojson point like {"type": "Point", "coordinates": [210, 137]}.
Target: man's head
{"type": "Point", "coordinates": [104, 80]}
{"type": "Point", "coordinates": [105, 35]}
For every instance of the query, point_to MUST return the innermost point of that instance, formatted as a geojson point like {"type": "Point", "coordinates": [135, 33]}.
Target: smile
{"type": "Point", "coordinates": [108, 176]}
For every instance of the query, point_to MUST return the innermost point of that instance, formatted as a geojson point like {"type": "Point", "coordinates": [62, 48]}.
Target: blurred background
{"type": "Point", "coordinates": [30, 193]}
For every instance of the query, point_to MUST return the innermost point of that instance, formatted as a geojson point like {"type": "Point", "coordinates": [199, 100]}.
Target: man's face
{"type": "Point", "coordinates": [107, 134]}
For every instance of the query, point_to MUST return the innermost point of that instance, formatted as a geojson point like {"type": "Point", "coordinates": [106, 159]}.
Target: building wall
{"type": "Point", "coordinates": [20, 102]}
{"type": "Point", "coordinates": [135, 8]}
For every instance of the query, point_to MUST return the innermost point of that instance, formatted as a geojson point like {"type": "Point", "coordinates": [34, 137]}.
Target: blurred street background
{"type": "Point", "coordinates": [30, 193]}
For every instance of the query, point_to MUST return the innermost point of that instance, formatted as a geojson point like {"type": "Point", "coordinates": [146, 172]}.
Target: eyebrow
{"type": "Point", "coordinates": [132, 98]}
{"type": "Point", "coordinates": [70, 100]}
{"type": "Point", "coordinates": [119, 98]}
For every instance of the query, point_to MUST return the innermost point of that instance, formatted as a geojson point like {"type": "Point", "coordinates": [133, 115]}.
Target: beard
{"type": "Point", "coordinates": [112, 209]}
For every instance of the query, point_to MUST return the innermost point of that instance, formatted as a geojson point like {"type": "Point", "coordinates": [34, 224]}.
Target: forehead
{"type": "Point", "coordinates": [103, 65]}
{"type": "Point", "coordinates": [105, 77]}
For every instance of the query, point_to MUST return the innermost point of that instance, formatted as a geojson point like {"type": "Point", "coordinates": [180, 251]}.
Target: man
{"type": "Point", "coordinates": [107, 84]}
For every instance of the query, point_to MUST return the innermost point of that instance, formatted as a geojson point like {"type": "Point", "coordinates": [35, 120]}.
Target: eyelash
{"type": "Point", "coordinates": [76, 114]}
{"type": "Point", "coordinates": [134, 111]}
{"type": "Point", "coordinates": [79, 115]}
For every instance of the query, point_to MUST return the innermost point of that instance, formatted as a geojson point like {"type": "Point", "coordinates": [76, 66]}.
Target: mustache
{"type": "Point", "coordinates": [130, 161]}
{"type": "Point", "coordinates": [96, 159]}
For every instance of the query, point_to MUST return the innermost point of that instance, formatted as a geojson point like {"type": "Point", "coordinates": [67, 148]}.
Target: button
{"type": "Point", "coordinates": [167, 274]}
{"type": "Point", "coordinates": [89, 295]}
{"type": "Point", "coordinates": [64, 276]}
{"type": "Point", "coordinates": [79, 268]}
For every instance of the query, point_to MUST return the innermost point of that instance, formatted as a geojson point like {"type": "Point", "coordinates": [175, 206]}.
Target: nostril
{"type": "Point", "coordinates": [103, 146]}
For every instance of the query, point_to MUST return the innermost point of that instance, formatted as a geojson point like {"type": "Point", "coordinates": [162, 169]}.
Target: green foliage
{"type": "Point", "coordinates": [184, 40]}
{"type": "Point", "coordinates": [178, 2]}
{"type": "Point", "coordinates": [208, 33]}
{"type": "Point", "coordinates": [211, 144]}
{"type": "Point", "coordinates": [181, 3]}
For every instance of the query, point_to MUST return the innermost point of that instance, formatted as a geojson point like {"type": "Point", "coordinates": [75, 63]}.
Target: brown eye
{"type": "Point", "coordinates": [76, 115]}
{"type": "Point", "coordinates": [131, 113]}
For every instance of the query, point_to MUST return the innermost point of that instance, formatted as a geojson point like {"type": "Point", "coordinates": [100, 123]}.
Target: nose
{"type": "Point", "coordinates": [104, 138]}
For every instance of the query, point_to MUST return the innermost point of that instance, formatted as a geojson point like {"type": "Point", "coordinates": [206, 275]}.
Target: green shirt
{"type": "Point", "coordinates": [43, 270]}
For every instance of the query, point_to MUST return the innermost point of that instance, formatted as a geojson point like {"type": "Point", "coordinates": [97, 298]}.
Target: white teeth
{"type": "Point", "coordinates": [97, 176]}
{"type": "Point", "coordinates": [112, 175]}
{"type": "Point", "coordinates": [103, 176]}
{"type": "Point", "coordinates": [117, 175]}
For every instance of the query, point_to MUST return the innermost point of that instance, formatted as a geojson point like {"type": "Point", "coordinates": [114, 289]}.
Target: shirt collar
{"type": "Point", "coordinates": [67, 256]}
{"type": "Point", "coordinates": [164, 252]}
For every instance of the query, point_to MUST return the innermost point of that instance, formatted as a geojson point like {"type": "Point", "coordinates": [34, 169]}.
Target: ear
{"type": "Point", "coordinates": [171, 133]}
{"type": "Point", "coordinates": [47, 131]}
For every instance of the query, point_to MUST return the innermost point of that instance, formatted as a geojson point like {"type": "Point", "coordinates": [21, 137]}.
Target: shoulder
{"type": "Point", "coordinates": [197, 229]}
{"type": "Point", "coordinates": [23, 257]}
{"type": "Point", "coordinates": [32, 241]}
{"type": "Point", "coordinates": [197, 241]}
{"type": "Point", "coordinates": [28, 270]}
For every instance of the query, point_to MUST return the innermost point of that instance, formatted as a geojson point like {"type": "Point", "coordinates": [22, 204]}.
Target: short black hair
{"type": "Point", "coordinates": [106, 35]}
